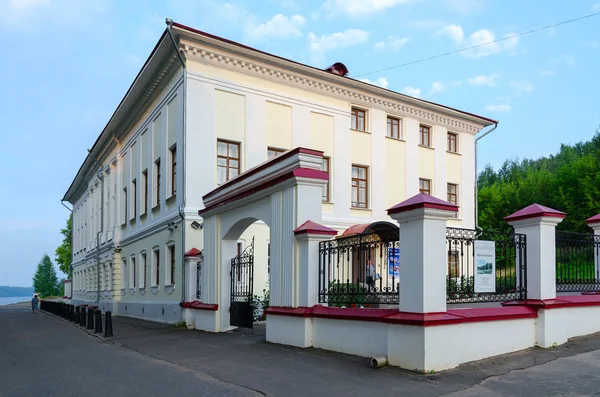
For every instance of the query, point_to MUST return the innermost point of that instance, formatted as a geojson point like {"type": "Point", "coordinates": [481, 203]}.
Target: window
{"type": "Point", "coordinates": [452, 193]}
{"type": "Point", "coordinates": [425, 186]}
{"type": "Point", "coordinates": [172, 263]}
{"type": "Point", "coordinates": [393, 127]}
{"type": "Point", "coordinates": [157, 173]}
{"type": "Point", "coordinates": [156, 267]}
{"type": "Point", "coordinates": [144, 271]}
{"type": "Point", "coordinates": [453, 264]}
{"type": "Point", "coordinates": [134, 199]}
{"type": "Point", "coordinates": [358, 121]}
{"type": "Point", "coordinates": [452, 142]}
{"type": "Point", "coordinates": [145, 181]}
{"type": "Point", "coordinates": [123, 273]}
{"type": "Point", "coordinates": [360, 187]}
{"type": "Point", "coordinates": [173, 170]}
{"type": "Point", "coordinates": [124, 210]}
{"type": "Point", "coordinates": [228, 161]}
{"type": "Point", "coordinates": [274, 152]}
{"type": "Point", "coordinates": [132, 283]}
{"type": "Point", "coordinates": [425, 135]}
{"type": "Point", "coordinates": [325, 168]}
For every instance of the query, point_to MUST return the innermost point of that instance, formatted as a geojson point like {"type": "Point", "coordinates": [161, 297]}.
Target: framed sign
{"type": "Point", "coordinates": [485, 266]}
{"type": "Point", "coordinates": [394, 262]}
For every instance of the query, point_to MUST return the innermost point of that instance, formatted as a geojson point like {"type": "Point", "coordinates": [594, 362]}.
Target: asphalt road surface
{"type": "Point", "coordinates": [41, 355]}
{"type": "Point", "coordinates": [44, 356]}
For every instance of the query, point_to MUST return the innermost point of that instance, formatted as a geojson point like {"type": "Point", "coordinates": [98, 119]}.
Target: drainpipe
{"type": "Point", "coordinates": [169, 23]}
{"type": "Point", "coordinates": [477, 177]}
{"type": "Point", "coordinates": [101, 177]}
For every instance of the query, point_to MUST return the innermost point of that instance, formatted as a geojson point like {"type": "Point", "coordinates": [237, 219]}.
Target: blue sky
{"type": "Point", "coordinates": [67, 63]}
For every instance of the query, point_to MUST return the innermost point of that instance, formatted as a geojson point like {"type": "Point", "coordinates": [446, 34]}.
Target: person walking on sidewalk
{"type": "Point", "coordinates": [34, 303]}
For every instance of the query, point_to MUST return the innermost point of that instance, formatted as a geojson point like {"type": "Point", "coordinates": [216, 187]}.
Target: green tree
{"type": "Point", "coordinates": [64, 253]}
{"type": "Point", "coordinates": [45, 281]}
{"type": "Point", "coordinates": [568, 181]}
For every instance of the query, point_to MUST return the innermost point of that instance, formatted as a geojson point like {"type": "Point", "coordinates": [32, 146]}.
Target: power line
{"type": "Point", "coordinates": [479, 45]}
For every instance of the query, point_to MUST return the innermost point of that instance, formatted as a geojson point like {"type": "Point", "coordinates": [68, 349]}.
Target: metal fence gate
{"type": "Point", "coordinates": [241, 313]}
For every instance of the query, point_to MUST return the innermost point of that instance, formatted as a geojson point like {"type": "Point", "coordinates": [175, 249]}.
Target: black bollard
{"type": "Point", "coordinates": [73, 313]}
{"type": "Point", "coordinates": [108, 331]}
{"type": "Point", "coordinates": [76, 318]}
{"type": "Point", "coordinates": [98, 322]}
{"type": "Point", "coordinates": [90, 318]}
{"type": "Point", "coordinates": [82, 316]}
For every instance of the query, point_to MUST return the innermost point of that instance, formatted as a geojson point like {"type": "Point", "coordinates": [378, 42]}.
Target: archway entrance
{"type": "Point", "coordinates": [271, 200]}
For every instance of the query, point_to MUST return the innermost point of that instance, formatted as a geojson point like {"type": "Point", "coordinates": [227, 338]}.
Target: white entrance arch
{"type": "Point", "coordinates": [284, 193]}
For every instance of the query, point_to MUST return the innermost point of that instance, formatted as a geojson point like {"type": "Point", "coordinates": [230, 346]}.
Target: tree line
{"type": "Point", "coordinates": [568, 181]}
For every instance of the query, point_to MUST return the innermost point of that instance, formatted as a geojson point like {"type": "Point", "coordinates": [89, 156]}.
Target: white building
{"type": "Point", "coordinates": [200, 115]}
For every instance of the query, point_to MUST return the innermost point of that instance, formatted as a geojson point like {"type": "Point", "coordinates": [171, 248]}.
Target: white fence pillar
{"type": "Point", "coordinates": [538, 223]}
{"type": "Point", "coordinates": [594, 223]}
{"type": "Point", "coordinates": [422, 219]}
{"type": "Point", "coordinates": [309, 235]}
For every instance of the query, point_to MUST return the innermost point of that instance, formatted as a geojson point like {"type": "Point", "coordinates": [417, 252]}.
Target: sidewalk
{"type": "Point", "coordinates": [245, 359]}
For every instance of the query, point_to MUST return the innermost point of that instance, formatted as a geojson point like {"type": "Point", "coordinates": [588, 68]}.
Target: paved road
{"type": "Point", "coordinates": [155, 359]}
{"type": "Point", "coordinates": [44, 356]}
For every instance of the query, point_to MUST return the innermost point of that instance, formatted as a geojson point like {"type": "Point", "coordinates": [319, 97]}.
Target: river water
{"type": "Point", "coordinates": [15, 299]}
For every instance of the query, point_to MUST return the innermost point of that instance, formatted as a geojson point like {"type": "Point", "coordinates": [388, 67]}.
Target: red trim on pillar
{"type": "Point", "coordinates": [310, 227]}
{"type": "Point", "coordinates": [391, 316]}
{"type": "Point", "coordinates": [422, 201]}
{"type": "Point", "coordinates": [193, 252]}
{"type": "Point", "coordinates": [534, 211]}
{"type": "Point", "coordinates": [560, 302]}
{"type": "Point", "coordinates": [199, 305]}
{"type": "Point", "coordinates": [594, 219]}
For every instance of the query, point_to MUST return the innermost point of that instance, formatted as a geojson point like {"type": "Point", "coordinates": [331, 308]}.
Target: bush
{"type": "Point", "coordinates": [260, 304]}
{"type": "Point", "coordinates": [460, 288]}
{"type": "Point", "coordinates": [347, 295]}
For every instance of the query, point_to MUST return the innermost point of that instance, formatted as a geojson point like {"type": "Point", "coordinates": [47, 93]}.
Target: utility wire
{"type": "Point", "coordinates": [479, 45]}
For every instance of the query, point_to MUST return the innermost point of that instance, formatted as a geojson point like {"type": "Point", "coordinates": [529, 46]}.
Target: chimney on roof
{"type": "Point", "coordinates": [338, 68]}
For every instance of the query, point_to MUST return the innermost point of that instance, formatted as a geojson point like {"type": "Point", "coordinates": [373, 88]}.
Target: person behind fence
{"type": "Point", "coordinates": [34, 303]}
{"type": "Point", "coordinates": [370, 274]}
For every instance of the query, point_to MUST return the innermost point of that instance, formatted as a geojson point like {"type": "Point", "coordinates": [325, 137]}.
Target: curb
{"type": "Point", "coordinates": [92, 333]}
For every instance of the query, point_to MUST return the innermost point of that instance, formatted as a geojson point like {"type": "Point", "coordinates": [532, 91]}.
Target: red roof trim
{"type": "Point", "coordinates": [261, 167]}
{"type": "Point", "coordinates": [212, 36]}
{"type": "Point", "coordinates": [534, 211]}
{"type": "Point", "coordinates": [593, 219]}
{"type": "Point", "coordinates": [193, 252]}
{"type": "Point", "coordinates": [391, 316]}
{"type": "Point", "coordinates": [297, 173]}
{"type": "Point", "coordinates": [199, 306]}
{"type": "Point", "coordinates": [310, 227]}
{"type": "Point", "coordinates": [422, 201]}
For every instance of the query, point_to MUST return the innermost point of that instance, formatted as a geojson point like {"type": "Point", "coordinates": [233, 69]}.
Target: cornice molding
{"type": "Point", "coordinates": [222, 60]}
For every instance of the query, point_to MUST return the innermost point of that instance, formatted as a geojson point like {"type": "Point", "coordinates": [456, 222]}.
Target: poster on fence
{"type": "Point", "coordinates": [393, 262]}
{"type": "Point", "coordinates": [485, 266]}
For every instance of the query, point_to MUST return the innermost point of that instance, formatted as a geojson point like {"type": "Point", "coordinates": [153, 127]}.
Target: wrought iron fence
{"type": "Point", "coordinates": [359, 271]}
{"type": "Point", "coordinates": [577, 262]}
{"type": "Point", "coordinates": [198, 278]}
{"type": "Point", "coordinates": [510, 266]}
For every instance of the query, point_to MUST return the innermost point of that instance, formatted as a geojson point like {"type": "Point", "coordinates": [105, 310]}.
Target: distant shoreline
{"type": "Point", "coordinates": [14, 300]}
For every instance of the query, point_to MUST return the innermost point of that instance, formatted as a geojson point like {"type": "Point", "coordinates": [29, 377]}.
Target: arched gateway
{"type": "Point", "coordinates": [284, 193]}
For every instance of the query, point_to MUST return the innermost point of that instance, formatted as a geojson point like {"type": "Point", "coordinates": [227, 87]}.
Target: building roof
{"type": "Point", "coordinates": [164, 49]}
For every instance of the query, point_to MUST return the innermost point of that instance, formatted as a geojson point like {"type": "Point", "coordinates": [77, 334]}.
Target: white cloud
{"type": "Point", "coordinates": [380, 81]}
{"type": "Point", "coordinates": [596, 7]}
{"type": "Point", "coordinates": [393, 44]}
{"type": "Point", "coordinates": [427, 24]}
{"type": "Point", "coordinates": [478, 38]}
{"type": "Point", "coordinates": [436, 87]}
{"type": "Point", "coordinates": [594, 44]}
{"type": "Point", "coordinates": [348, 38]}
{"type": "Point", "coordinates": [488, 80]}
{"type": "Point", "coordinates": [521, 86]}
{"type": "Point", "coordinates": [498, 108]}
{"type": "Point", "coordinates": [412, 91]}
{"type": "Point", "coordinates": [569, 60]}
{"type": "Point", "coordinates": [278, 27]}
{"type": "Point", "coordinates": [548, 72]}
{"type": "Point", "coordinates": [359, 8]}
